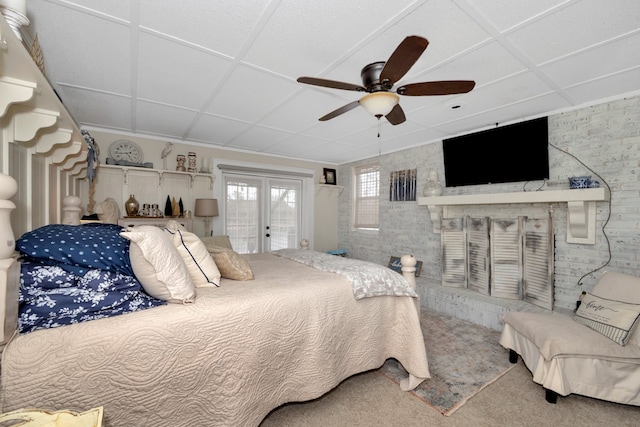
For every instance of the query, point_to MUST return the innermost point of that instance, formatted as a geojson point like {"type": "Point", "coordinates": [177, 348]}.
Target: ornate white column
{"type": "Point", "coordinates": [15, 13]}
{"type": "Point", "coordinates": [8, 188]}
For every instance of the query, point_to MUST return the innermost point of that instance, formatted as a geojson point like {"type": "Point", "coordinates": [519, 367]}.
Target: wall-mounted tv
{"type": "Point", "coordinates": [512, 153]}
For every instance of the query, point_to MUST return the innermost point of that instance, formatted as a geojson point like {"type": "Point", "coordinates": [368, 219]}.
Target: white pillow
{"type": "Point", "coordinates": [613, 319]}
{"type": "Point", "coordinates": [202, 268]}
{"type": "Point", "coordinates": [158, 265]}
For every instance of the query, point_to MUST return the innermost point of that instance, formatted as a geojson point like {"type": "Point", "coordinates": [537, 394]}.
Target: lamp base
{"type": "Point", "coordinates": [207, 227]}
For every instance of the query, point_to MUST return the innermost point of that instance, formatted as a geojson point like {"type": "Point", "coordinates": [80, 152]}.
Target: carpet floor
{"type": "Point", "coordinates": [514, 400]}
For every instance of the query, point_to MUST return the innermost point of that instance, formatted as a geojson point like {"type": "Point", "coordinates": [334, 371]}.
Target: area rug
{"type": "Point", "coordinates": [463, 359]}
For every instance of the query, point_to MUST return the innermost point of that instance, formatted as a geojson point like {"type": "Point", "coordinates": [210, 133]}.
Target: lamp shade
{"type": "Point", "coordinates": [379, 103]}
{"type": "Point", "coordinates": [206, 207]}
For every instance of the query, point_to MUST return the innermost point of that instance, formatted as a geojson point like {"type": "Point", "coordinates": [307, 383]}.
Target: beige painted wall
{"type": "Point", "coordinates": [325, 199]}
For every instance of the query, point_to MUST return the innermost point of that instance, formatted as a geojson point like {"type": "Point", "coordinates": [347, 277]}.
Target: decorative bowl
{"type": "Point", "coordinates": [579, 182]}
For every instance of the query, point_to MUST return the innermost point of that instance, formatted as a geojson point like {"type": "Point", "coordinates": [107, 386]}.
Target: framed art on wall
{"type": "Point", "coordinates": [329, 176]}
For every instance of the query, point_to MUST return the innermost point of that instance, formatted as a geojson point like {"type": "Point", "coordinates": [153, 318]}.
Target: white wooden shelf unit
{"type": "Point", "coordinates": [125, 172]}
{"type": "Point", "coordinates": [581, 207]}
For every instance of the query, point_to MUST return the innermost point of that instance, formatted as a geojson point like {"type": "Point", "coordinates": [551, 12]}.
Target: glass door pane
{"type": "Point", "coordinates": [242, 209]}
{"type": "Point", "coordinates": [284, 214]}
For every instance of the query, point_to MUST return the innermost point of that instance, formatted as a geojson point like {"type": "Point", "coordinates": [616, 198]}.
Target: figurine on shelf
{"type": "Point", "coordinates": [165, 153]}
{"type": "Point", "coordinates": [181, 159]}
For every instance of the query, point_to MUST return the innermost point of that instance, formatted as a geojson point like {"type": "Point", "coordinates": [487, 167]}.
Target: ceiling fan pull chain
{"type": "Point", "coordinates": [379, 126]}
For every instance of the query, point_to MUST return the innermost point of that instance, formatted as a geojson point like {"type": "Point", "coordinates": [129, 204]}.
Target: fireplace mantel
{"type": "Point", "coordinates": [581, 207]}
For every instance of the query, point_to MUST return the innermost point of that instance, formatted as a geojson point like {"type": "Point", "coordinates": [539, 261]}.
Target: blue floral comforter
{"type": "Point", "coordinates": [72, 274]}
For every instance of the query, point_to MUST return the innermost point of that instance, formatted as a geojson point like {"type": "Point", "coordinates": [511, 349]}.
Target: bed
{"type": "Point", "coordinates": [226, 355]}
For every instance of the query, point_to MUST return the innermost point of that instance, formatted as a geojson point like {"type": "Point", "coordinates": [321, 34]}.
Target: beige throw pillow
{"type": "Point", "coordinates": [230, 263]}
{"type": "Point", "coordinates": [158, 265]}
{"type": "Point", "coordinates": [202, 268]}
{"type": "Point", "coordinates": [222, 241]}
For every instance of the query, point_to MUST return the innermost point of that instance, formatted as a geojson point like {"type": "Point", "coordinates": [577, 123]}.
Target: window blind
{"type": "Point", "coordinates": [367, 196]}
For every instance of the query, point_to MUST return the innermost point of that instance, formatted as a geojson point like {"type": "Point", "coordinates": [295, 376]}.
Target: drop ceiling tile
{"type": "Point", "coordinates": [77, 61]}
{"type": "Point", "coordinates": [505, 14]}
{"type": "Point", "coordinates": [89, 108]}
{"type": "Point", "coordinates": [162, 120]}
{"type": "Point", "coordinates": [595, 63]}
{"type": "Point", "coordinates": [250, 94]}
{"type": "Point", "coordinates": [516, 112]}
{"type": "Point", "coordinates": [179, 75]}
{"type": "Point", "coordinates": [615, 85]}
{"type": "Point", "coordinates": [218, 130]}
{"type": "Point", "coordinates": [578, 26]}
{"type": "Point", "coordinates": [221, 27]}
{"type": "Point", "coordinates": [298, 146]}
{"type": "Point", "coordinates": [259, 138]}
{"type": "Point", "coordinates": [120, 9]}
{"type": "Point", "coordinates": [303, 110]}
{"type": "Point", "coordinates": [299, 41]}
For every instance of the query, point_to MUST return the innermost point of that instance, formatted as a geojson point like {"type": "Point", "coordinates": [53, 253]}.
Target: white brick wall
{"type": "Point", "coordinates": [604, 137]}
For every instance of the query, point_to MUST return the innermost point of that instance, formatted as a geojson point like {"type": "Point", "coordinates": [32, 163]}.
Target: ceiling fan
{"type": "Point", "coordinates": [378, 79]}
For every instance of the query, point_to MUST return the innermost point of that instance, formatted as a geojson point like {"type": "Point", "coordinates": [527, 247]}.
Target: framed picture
{"type": "Point", "coordinates": [396, 265]}
{"type": "Point", "coordinates": [403, 185]}
{"type": "Point", "coordinates": [329, 176]}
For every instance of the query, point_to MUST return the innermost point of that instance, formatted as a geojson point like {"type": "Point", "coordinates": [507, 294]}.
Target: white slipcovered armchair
{"type": "Point", "coordinates": [595, 353]}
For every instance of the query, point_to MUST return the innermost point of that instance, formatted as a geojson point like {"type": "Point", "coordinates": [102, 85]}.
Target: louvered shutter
{"type": "Point", "coordinates": [538, 262]}
{"type": "Point", "coordinates": [478, 254]}
{"type": "Point", "coordinates": [506, 258]}
{"type": "Point", "coordinates": [454, 253]}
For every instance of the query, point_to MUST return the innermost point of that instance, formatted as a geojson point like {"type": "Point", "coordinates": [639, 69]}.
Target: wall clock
{"type": "Point", "coordinates": [125, 150]}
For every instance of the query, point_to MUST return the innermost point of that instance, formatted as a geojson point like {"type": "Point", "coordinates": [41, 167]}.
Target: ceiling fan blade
{"type": "Point", "coordinates": [330, 84]}
{"type": "Point", "coordinates": [445, 87]}
{"type": "Point", "coordinates": [350, 106]}
{"type": "Point", "coordinates": [396, 116]}
{"type": "Point", "coordinates": [402, 59]}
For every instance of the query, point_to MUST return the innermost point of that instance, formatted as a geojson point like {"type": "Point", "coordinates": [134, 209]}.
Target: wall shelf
{"type": "Point", "coordinates": [329, 190]}
{"type": "Point", "coordinates": [125, 171]}
{"type": "Point", "coordinates": [581, 207]}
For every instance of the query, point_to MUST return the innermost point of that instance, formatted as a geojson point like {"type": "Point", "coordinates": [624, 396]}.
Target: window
{"type": "Point", "coordinates": [367, 196]}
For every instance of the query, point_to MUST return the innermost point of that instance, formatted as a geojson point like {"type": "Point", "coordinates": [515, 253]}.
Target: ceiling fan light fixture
{"type": "Point", "coordinates": [379, 104]}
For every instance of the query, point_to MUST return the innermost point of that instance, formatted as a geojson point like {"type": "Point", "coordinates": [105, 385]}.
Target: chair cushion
{"type": "Point", "coordinates": [557, 335]}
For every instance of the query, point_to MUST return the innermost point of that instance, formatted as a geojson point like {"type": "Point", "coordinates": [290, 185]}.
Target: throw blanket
{"type": "Point", "coordinates": [367, 279]}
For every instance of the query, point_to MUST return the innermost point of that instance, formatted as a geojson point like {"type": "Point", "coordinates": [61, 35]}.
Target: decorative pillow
{"type": "Point", "coordinates": [613, 319]}
{"type": "Point", "coordinates": [158, 265]}
{"type": "Point", "coordinates": [230, 263]}
{"type": "Point", "coordinates": [202, 268]}
{"type": "Point", "coordinates": [78, 248]}
{"type": "Point", "coordinates": [222, 241]}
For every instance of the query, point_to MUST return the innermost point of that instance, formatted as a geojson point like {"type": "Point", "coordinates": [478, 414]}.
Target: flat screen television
{"type": "Point", "coordinates": [512, 153]}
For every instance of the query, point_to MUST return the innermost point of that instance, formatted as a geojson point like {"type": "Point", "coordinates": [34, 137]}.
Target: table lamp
{"type": "Point", "coordinates": [206, 208]}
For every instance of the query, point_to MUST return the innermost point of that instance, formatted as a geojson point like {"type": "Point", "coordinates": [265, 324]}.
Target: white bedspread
{"type": "Point", "coordinates": [239, 351]}
{"type": "Point", "coordinates": [366, 278]}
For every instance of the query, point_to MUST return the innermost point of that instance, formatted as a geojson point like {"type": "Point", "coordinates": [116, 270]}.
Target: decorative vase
{"type": "Point", "coordinates": [432, 187]}
{"type": "Point", "coordinates": [192, 162]}
{"type": "Point", "coordinates": [131, 206]}
{"type": "Point", "coordinates": [180, 159]}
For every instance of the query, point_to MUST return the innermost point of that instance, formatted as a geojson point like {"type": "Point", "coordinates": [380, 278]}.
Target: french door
{"type": "Point", "coordinates": [262, 213]}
